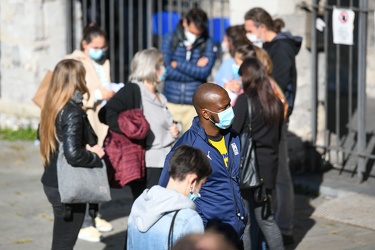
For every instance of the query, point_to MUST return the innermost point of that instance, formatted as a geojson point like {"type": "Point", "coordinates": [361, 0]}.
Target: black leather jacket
{"type": "Point", "coordinates": [74, 130]}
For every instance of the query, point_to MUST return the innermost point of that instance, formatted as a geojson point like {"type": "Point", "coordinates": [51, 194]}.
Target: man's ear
{"type": "Point", "coordinates": [263, 27]}
{"type": "Point", "coordinates": [184, 22]}
{"type": "Point", "coordinates": [192, 179]}
{"type": "Point", "coordinates": [205, 114]}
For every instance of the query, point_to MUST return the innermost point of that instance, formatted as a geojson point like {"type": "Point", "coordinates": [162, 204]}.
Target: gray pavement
{"type": "Point", "coordinates": [27, 220]}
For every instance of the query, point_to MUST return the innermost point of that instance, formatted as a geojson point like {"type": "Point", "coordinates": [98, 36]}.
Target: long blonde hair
{"type": "Point", "coordinates": [68, 76]}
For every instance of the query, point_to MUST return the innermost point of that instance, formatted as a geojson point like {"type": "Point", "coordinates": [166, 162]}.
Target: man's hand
{"type": "Point", "coordinates": [174, 64]}
{"type": "Point", "coordinates": [202, 62]}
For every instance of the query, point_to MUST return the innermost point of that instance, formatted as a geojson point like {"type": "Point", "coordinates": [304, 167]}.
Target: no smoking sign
{"type": "Point", "coordinates": [343, 16]}
{"type": "Point", "coordinates": [343, 26]}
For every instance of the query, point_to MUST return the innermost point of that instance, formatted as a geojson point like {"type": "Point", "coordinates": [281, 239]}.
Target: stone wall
{"type": "Point", "coordinates": [33, 40]}
{"type": "Point", "coordinates": [238, 8]}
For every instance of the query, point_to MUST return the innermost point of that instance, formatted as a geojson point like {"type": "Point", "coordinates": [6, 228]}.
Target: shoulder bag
{"type": "Point", "coordinates": [41, 92]}
{"type": "Point", "coordinates": [249, 170]}
{"type": "Point", "coordinates": [170, 235]}
{"type": "Point", "coordinates": [82, 184]}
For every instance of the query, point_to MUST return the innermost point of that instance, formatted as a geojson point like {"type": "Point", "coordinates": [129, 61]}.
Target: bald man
{"type": "Point", "coordinates": [220, 204]}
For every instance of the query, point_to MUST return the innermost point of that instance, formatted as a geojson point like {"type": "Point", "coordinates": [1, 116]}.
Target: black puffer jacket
{"type": "Point", "coordinates": [74, 132]}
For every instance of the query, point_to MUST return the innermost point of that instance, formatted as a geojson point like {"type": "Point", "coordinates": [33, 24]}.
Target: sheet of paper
{"type": "Point", "coordinates": [115, 87]}
{"type": "Point", "coordinates": [343, 26]}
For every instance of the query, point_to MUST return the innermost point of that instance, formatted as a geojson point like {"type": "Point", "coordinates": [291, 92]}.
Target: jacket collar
{"type": "Point", "coordinates": [180, 34]}
{"type": "Point", "coordinates": [294, 41]}
{"type": "Point", "coordinates": [197, 128]}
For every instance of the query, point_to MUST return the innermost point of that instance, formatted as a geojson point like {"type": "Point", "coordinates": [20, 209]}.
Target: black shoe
{"type": "Point", "coordinates": [288, 239]}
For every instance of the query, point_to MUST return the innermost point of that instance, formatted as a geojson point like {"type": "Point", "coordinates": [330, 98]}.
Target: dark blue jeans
{"type": "Point", "coordinates": [67, 220]}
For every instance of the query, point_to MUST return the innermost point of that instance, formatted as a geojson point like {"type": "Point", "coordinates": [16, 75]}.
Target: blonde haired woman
{"type": "Point", "coordinates": [97, 66]}
{"type": "Point", "coordinates": [63, 121]}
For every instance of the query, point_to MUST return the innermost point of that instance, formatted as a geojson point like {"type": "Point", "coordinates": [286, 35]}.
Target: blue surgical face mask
{"type": "Point", "coordinates": [96, 54]}
{"type": "Point", "coordinates": [235, 69]}
{"type": "Point", "coordinates": [193, 196]}
{"type": "Point", "coordinates": [226, 118]}
{"type": "Point", "coordinates": [163, 75]}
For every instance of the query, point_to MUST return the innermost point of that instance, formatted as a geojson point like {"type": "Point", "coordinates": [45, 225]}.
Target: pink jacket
{"type": "Point", "coordinates": [125, 153]}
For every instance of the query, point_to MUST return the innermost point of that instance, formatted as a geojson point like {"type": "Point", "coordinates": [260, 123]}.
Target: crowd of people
{"type": "Point", "coordinates": [178, 148]}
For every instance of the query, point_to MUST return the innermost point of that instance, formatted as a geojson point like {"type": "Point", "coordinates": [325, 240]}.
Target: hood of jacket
{"type": "Point", "coordinates": [153, 203]}
{"type": "Point", "coordinates": [295, 41]}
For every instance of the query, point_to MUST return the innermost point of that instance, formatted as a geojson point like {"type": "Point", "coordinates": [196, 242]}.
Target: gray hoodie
{"type": "Point", "coordinates": [151, 216]}
{"type": "Point", "coordinates": [153, 203]}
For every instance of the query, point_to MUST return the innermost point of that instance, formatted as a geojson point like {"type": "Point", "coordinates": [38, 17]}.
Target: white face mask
{"type": "Point", "coordinates": [224, 47]}
{"type": "Point", "coordinates": [255, 40]}
{"type": "Point", "coordinates": [190, 38]}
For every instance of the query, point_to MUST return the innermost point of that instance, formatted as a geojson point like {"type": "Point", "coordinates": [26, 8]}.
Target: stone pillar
{"type": "Point", "coordinates": [238, 8]}
{"type": "Point", "coordinates": [32, 40]}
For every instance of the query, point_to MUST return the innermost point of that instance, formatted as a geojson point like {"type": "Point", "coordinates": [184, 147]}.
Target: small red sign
{"type": "Point", "coordinates": [343, 16]}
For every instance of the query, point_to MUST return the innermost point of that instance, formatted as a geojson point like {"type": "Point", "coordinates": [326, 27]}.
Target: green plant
{"type": "Point", "coordinates": [23, 134]}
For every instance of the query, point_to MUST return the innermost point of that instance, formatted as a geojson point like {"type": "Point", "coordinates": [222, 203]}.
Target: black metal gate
{"type": "Point", "coordinates": [133, 25]}
{"type": "Point", "coordinates": [348, 140]}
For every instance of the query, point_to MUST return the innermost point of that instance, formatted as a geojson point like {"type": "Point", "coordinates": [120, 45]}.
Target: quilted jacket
{"type": "Point", "coordinates": [182, 81]}
{"type": "Point", "coordinates": [126, 151]}
{"type": "Point", "coordinates": [125, 141]}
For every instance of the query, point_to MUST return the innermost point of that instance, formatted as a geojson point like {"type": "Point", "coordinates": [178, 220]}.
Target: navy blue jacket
{"type": "Point", "coordinates": [221, 204]}
{"type": "Point", "coordinates": [181, 82]}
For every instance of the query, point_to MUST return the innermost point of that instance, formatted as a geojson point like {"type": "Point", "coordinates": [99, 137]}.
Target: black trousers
{"type": "Point", "coordinates": [152, 176]}
{"type": "Point", "coordinates": [67, 220]}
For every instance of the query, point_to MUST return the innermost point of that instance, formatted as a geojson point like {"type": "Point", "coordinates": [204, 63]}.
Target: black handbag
{"type": "Point", "coordinates": [249, 170]}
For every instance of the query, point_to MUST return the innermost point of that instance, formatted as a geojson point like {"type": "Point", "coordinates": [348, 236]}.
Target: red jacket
{"type": "Point", "coordinates": [125, 153]}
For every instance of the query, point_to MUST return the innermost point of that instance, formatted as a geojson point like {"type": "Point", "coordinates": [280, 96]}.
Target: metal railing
{"type": "Point", "coordinates": [345, 90]}
{"type": "Point", "coordinates": [131, 25]}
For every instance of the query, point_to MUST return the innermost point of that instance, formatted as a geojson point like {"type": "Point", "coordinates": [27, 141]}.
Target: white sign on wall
{"type": "Point", "coordinates": [343, 26]}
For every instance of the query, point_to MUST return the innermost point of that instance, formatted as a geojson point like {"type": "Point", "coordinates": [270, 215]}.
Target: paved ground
{"type": "Point", "coordinates": [26, 215]}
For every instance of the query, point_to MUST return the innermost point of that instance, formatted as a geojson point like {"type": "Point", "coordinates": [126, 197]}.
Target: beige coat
{"type": "Point", "coordinates": [93, 83]}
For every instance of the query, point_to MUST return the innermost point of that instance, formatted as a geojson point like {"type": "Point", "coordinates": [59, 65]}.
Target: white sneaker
{"type": "Point", "coordinates": [90, 234]}
{"type": "Point", "coordinates": [103, 225]}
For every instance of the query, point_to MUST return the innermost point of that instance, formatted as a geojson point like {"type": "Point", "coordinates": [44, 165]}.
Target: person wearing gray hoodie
{"type": "Point", "coordinates": [160, 216]}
